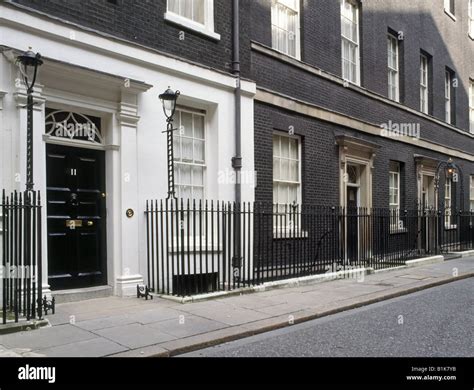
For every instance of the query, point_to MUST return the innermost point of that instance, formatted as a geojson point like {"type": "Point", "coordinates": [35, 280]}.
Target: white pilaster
{"type": "Point", "coordinates": [127, 269]}
{"type": "Point", "coordinates": [3, 143]}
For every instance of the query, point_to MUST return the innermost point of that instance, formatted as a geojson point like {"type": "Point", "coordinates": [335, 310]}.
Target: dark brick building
{"type": "Point", "coordinates": [344, 103]}
{"type": "Point", "coordinates": [310, 73]}
{"type": "Point", "coordinates": [314, 81]}
{"type": "Point", "coordinates": [143, 22]}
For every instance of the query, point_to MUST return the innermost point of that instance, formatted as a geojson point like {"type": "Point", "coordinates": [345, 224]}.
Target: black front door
{"type": "Point", "coordinates": [352, 224]}
{"type": "Point", "coordinates": [76, 217]}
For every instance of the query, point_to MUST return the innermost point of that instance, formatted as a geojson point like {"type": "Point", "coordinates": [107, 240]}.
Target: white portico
{"type": "Point", "coordinates": [114, 84]}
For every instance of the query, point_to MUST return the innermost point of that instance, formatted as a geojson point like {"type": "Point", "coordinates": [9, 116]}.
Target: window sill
{"type": "Point", "coordinates": [189, 24]}
{"type": "Point", "coordinates": [346, 83]}
{"type": "Point", "coordinates": [449, 14]}
{"type": "Point", "coordinates": [288, 234]}
{"type": "Point", "coordinates": [297, 57]}
{"type": "Point", "coordinates": [450, 227]}
{"type": "Point", "coordinates": [398, 230]}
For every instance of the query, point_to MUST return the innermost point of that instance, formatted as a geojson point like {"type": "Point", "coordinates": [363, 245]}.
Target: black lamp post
{"type": "Point", "coordinates": [28, 63]}
{"type": "Point", "coordinates": [169, 99]}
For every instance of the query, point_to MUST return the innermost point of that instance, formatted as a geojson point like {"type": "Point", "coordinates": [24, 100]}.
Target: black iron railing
{"type": "Point", "coordinates": [20, 257]}
{"type": "Point", "coordinates": [192, 246]}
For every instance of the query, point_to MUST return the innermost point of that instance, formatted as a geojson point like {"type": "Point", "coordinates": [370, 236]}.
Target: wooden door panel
{"type": "Point", "coordinates": [76, 217]}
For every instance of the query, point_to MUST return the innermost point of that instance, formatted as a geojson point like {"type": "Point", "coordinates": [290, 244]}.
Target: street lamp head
{"type": "Point", "coordinates": [451, 167]}
{"type": "Point", "coordinates": [169, 99]}
{"type": "Point", "coordinates": [28, 63]}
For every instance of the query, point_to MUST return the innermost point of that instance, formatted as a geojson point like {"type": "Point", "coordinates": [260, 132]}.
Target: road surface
{"type": "Point", "coordinates": [438, 322]}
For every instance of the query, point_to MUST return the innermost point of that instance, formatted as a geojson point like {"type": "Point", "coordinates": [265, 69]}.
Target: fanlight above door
{"type": "Point", "coordinates": [73, 126]}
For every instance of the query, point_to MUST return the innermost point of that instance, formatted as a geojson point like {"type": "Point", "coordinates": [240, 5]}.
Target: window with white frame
{"type": "Point", "coordinates": [447, 96]}
{"type": "Point", "coordinates": [286, 180]}
{"type": "Point", "coordinates": [394, 183]}
{"type": "Point", "coordinates": [350, 41]}
{"type": "Point", "coordinates": [285, 27]}
{"type": "Point", "coordinates": [448, 202]}
{"type": "Point", "coordinates": [286, 169]}
{"type": "Point", "coordinates": [471, 18]}
{"type": "Point", "coordinates": [393, 72]}
{"type": "Point", "coordinates": [394, 195]}
{"type": "Point", "coordinates": [471, 197]}
{"type": "Point", "coordinates": [190, 154]}
{"type": "Point", "coordinates": [449, 7]}
{"type": "Point", "coordinates": [424, 93]}
{"type": "Point", "coordinates": [194, 14]}
{"type": "Point", "coordinates": [471, 106]}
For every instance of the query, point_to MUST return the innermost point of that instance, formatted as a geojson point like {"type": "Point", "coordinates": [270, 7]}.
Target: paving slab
{"type": "Point", "coordinates": [251, 301]}
{"type": "Point", "coordinates": [106, 322]}
{"type": "Point", "coordinates": [59, 319]}
{"type": "Point", "coordinates": [287, 308]}
{"type": "Point", "coordinates": [156, 315]}
{"type": "Point", "coordinates": [115, 326]}
{"type": "Point", "coordinates": [46, 337]}
{"type": "Point", "coordinates": [135, 335]}
{"type": "Point", "coordinates": [229, 316]}
{"type": "Point", "coordinates": [188, 326]}
{"type": "Point", "coordinates": [96, 347]}
{"type": "Point", "coordinates": [179, 346]}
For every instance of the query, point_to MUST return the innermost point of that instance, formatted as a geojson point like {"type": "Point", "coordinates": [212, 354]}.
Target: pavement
{"type": "Point", "coordinates": [130, 327]}
{"type": "Point", "coordinates": [437, 322]}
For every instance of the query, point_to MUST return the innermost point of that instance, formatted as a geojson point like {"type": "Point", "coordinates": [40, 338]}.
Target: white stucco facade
{"type": "Point", "coordinates": [93, 74]}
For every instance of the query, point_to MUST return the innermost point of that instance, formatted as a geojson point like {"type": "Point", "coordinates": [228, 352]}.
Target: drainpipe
{"type": "Point", "coordinates": [237, 159]}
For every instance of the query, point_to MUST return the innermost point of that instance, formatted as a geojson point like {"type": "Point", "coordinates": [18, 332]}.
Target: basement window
{"type": "Point", "coordinates": [195, 284]}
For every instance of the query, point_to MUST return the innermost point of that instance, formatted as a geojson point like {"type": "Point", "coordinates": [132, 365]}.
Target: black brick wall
{"type": "Point", "coordinates": [142, 21]}
{"type": "Point", "coordinates": [320, 163]}
{"type": "Point", "coordinates": [424, 27]}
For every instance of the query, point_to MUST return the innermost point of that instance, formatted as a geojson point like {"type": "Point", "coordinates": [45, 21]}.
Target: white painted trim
{"type": "Point", "coordinates": [391, 38]}
{"type": "Point", "coordinates": [298, 32]}
{"type": "Point", "coordinates": [65, 99]}
{"type": "Point", "coordinates": [425, 89]}
{"type": "Point", "coordinates": [338, 80]}
{"type": "Point", "coordinates": [311, 110]}
{"type": "Point", "coordinates": [296, 137]}
{"type": "Point", "coordinates": [446, 11]}
{"type": "Point", "coordinates": [189, 24]}
{"type": "Point", "coordinates": [358, 59]}
{"type": "Point", "coordinates": [15, 19]}
{"type": "Point", "coordinates": [77, 143]}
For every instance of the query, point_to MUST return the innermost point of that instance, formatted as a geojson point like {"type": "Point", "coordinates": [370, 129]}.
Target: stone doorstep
{"type": "Point", "coordinates": [67, 296]}
{"type": "Point", "coordinates": [302, 281]}
{"type": "Point", "coordinates": [205, 340]}
{"type": "Point", "coordinates": [22, 326]}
